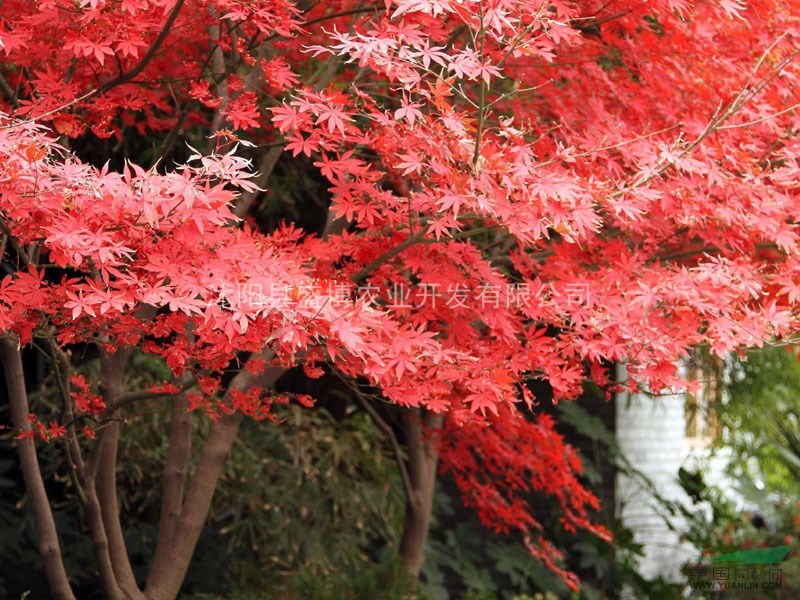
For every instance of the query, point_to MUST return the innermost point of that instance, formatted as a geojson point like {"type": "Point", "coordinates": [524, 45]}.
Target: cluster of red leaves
{"type": "Point", "coordinates": [631, 164]}
{"type": "Point", "coordinates": [500, 464]}
{"type": "Point", "coordinates": [44, 432]}
{"type": "Point", "coordinates": [85, 400]}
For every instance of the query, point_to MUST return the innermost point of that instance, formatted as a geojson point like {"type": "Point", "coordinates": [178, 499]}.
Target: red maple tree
{"type": "Point", "coordinates": [521, 189]}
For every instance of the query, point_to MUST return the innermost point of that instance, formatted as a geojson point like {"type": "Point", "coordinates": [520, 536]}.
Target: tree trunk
{"type": "Point", "coordinates": [173, 557]}
{"type": "Point", "coordinates": [423, 458]}
{"type": "Point", "coordinates": [109, 508]}
{"type": "Point", "coordinates": [49, 547]}
{"type": "Point", "coordinates": [112, 370]}
{"type": "Point", "coordinates": [180, 529]}
{"type": "Point", "coordinates": [178, 455]}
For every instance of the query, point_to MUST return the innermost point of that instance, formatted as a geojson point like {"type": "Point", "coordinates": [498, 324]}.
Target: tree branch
{"type": "Point", "coordinates": [220, 72]}
{"type": "Point", "coordinates": [145, 60]}
{"type": "Point", "coordinates": [361, 276]}
{"type": "Point", "coordinates": [49, 547]}
{"type": "Point", "coordinates": [123, 77]}
{"type": "Point", "coordinates": [423, 458]}
{"type": "Point", "coordinates": [387, 429]}
{"type": "Point", "coordinates": [86, 478]}
{"type": "Point", "coordinates": [123, 400]}
{"type": "Point", "coordinates": [265, 167]}
{"type": "Point", "coordinates": [172, 556]}
{"type": "Point", "coordinates": [9, 93]}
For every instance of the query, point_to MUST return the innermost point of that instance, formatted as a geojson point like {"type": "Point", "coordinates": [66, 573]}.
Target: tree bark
{"type": "Point", "coordinates": [173, 557]}
{"type": "Point", "coordinates": [109, 509]}
{"type": "Point", "coordinates": [97, 533]}
{"type": "Point", "coordinates": [112, 370]}
{"type": "Point", "coordinates": [49, 547]}
{"type": "Point", "coordinates": [174, 551]}
{"type": "Point", "coordinates": [178, 454]}
{"type": "Point", "coordinates": [423, 458]}
{"type": "Point", "coordinates": [86, 480]}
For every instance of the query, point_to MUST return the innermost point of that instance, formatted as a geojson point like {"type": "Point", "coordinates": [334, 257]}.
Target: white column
{"type": "Point", "coordinates": [651, 434]}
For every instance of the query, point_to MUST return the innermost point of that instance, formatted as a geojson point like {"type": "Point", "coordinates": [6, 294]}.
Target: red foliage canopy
{"type": "Point", "coordinates": [534, 188]}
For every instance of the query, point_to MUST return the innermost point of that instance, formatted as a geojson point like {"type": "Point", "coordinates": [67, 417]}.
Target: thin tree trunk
{"type": "Point", "coordinates": [219, 70]}
{"type": "Point", "coordinates": [49, 547]}
{"type": "Point", "coordinates": [86, 477]}
{"type": "Point", "coordinates": [423, 459]}
{"type": "Point", "coordinates": [112, 370]}
{"type": "Point", "coordinates": [173, 557]}
{"type": "Point", "coordinates": [109, 509]}
{"type": "Point", "coordinates": [178, 454]}
{"type": "Point", "coordinates": [172, 561]}
{"type": "Point", "coordinates": [265, 167]}
{"type": "Point", "coordinates": [97, 533]}
{"type": "Point", "coordinates": [174, 551]}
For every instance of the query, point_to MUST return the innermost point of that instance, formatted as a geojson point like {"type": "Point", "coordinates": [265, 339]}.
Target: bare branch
{"type": "Point", "coordinates": [265, 167]}
{"type": "Point", "coordinates": [387, 429]}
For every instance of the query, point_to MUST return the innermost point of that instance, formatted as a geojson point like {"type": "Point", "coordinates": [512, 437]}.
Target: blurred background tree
{"type": "Point", "coordinates": [758, 412]}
